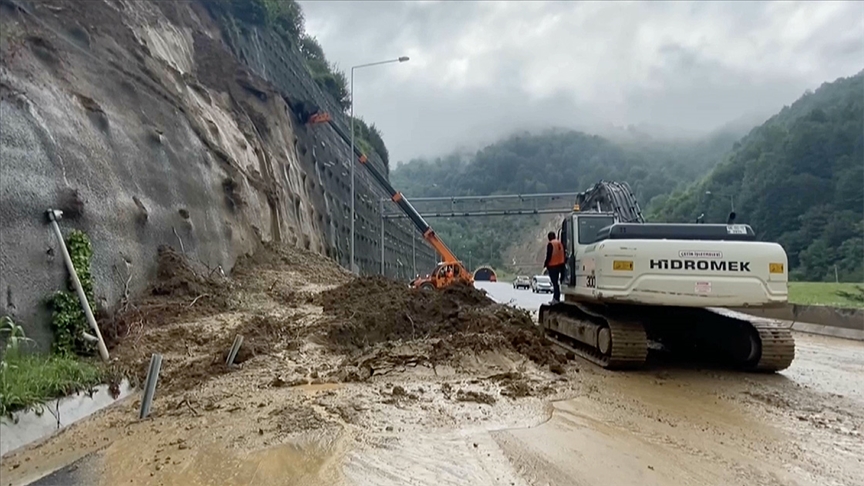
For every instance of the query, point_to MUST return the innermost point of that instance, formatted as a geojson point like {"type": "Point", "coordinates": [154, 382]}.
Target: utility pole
{"type": "Point", "coordinates": [352, 155]}
{"type": "Point", "coordinates": [381, 208]}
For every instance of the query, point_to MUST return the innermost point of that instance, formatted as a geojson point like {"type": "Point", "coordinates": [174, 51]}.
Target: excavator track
{"type": "Point", "coordinates": [624, 341]}
{"type": "Point", "coordinates": [740, 343]}
{"type": "Point", "coordinates": [618, 337]}
{"type": "Point", "coordinates": [777, 350]}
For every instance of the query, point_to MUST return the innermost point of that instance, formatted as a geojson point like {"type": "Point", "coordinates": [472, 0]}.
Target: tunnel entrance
{"type": "Point", "coordinates": [486, 274]}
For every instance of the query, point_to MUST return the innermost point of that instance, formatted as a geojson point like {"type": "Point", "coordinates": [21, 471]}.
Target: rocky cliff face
{"type": "Point", "coordinates": [152, 123]}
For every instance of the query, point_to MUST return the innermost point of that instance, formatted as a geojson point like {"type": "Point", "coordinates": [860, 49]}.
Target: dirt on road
{"type": "Point", "coordinates": [362, 381]}
{"type": "Point", "coordinates": [454, 321]}
{"type": "Point", "coordinates": [324, 354]}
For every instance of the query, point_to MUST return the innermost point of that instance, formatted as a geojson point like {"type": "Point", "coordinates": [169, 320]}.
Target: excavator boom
{"type": "Point", "coordinates": [312, 115]}
{"type": "Point", "coordinates": [614, 197]}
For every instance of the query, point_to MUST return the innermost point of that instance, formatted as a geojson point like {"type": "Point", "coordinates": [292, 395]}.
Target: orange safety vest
{"type": "Point", "coordinates": [557, 257]}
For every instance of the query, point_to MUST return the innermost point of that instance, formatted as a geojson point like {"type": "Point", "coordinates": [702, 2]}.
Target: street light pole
{"type": "Point", "coordinates": [351, 154]}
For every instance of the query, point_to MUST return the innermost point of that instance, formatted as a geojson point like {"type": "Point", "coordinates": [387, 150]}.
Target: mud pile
{"type": "Point", "coordinates": [191, 313]}
{"type": "Point", "coordinates": [177, 276]}
{"type": "Point", "coordinates": [369, 311]}
{"type": "Point", "coordinates": [183, 289]}
{"type": "Point", "coordinates": [307, 264]}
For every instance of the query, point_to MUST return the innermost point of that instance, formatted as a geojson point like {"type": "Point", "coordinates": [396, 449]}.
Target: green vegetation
{"type": "Point", "coordinates": [28, 380]}
{"type": "Point", "coordinates": [505, 276]}
{"type": "Point", "coordinates": [286, 18]}
{"type": "Point", "coordinates": [827, 293]}
{"type": "Point", "coordinates": [798, 180]}
{"type": "Point", "coordinates": [326, 75]}
{"type": "Point", "coordinates": [552, 161]}
{"type": "Point", "coordinates": [68, 320]}
{"type": "Point", "coordinates": [370, 140]}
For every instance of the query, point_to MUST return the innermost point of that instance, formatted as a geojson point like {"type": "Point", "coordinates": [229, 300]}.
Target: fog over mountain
{"type": "Point", "coordinates": [480, 70]}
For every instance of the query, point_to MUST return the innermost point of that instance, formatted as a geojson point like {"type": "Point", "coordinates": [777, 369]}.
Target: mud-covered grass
{"type": "Point", "coordinates": [29, 380]}
{"type": "Point", "coordinates": [827, 293]}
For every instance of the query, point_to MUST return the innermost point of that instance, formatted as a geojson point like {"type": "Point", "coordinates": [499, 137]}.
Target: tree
{"type": "Point", "coordinates": [798, 179]}
{"type": "Point", "coordinates": [550, 161]}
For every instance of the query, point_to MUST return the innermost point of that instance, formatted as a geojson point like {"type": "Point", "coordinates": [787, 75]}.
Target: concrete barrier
{"type": "Point", "coordinates": [840, 322]}
{"type": "Point", "coordinates": [27, 427]}
{"type": "Point", "coordinates": [838, 332]}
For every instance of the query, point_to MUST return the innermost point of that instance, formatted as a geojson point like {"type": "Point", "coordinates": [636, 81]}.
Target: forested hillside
{"type": "Point", "coordinates": [798, 179]}
{"type": "Point", "coordinates": [552, 161]}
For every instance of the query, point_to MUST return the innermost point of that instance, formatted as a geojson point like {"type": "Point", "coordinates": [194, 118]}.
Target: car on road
{"type": "Point", "coordinates": [541, 283]}
{"type": "Point", "coordinates": [522, 282]}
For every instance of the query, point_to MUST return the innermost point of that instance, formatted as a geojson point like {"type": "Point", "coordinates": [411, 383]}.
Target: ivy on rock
{"type": "Point", "coordinates": [69, 323]}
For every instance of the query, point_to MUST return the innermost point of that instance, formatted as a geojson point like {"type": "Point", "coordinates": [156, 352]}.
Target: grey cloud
{"type": "Point", "coordinates": [480, 70]}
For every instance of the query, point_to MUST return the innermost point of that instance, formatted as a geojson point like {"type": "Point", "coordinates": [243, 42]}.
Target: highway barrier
{"type": "Point", "coordinates": [26, 427]}
{"type": "Point", "coordinates": [840, 322]}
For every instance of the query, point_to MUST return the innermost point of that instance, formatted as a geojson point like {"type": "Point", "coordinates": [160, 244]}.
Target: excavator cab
{"type": "Point", "coordinates": [444, 274]}
{"type": "Point", "coordinates": [629, 284]}
{"type": "Point", "coordinates": [578, 232]}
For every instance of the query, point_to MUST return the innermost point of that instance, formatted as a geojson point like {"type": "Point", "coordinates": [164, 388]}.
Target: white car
{"type": "Point", "coordinates": [521, 282]}
{"type": "Point", "coordinates": [541, 283]}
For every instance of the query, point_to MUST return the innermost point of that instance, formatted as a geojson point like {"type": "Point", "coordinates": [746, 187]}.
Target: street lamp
{"type": "Point", "coordinates": [353, 162]}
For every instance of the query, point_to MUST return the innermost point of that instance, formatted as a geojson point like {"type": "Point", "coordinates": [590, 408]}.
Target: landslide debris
{"type": "Point", "coordinates": [305, 264]}
{"type": "Point", "coordinates": [370, 311]}
{"type": "Point", "coordinates": [191, 313]}
{"type": "Point", "coordinates": [182, 289]}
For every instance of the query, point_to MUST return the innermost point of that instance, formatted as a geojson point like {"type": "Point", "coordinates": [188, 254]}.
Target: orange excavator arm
{"type": "Point", "coordinates": [400, 200]}
{"type": "Point", "coordinates": [428, 233]}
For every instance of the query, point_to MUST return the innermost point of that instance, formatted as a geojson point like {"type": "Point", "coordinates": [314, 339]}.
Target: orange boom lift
{"type": "Point", "coordinates": [447, 271]}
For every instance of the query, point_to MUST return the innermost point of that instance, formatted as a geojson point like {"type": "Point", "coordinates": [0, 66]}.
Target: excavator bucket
{"type": "Point", "coordinates": [319, 118]}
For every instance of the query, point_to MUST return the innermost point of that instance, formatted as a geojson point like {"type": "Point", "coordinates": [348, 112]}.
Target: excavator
{"type": "Point", "coordinates": [632, 286]}
{"type": "Point", "coordinates": [450, 269]}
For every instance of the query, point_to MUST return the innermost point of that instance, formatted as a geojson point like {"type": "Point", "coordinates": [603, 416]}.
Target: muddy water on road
{"type": "Point", "coordinates": [661, 426]}
{"type": "Point", "coordinates": [829, 365]}
{"type": "Point", "coordinates": [645, 431]}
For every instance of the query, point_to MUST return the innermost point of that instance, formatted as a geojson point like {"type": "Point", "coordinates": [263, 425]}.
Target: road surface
{"type": "Point", "coordinates": [826, 365]}
{"type": "Point", "coordinates": [802, 426]}
{"type": "Point", "coordinates": [664, 425]}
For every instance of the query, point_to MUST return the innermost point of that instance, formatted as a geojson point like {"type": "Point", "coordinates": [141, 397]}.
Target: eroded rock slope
{"type": "Point", "coordinates": [139, 121]}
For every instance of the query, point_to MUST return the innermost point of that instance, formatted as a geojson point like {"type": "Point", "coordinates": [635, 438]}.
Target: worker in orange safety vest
{"type": "Point", "coordinates": [554, 264]}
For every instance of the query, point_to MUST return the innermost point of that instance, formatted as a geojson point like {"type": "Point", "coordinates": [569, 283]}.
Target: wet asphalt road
{"type": "Point", "coordinates": [686, 425]}
{"type": "Point", "coordinates": [829, 365]}
{"type": "Point", "coordinates": [659, 426]}
{"type": "Point", "coordinates": [504, 293]}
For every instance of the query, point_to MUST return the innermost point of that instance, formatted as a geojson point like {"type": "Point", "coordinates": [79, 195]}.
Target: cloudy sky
{"type": "Point", "coordinates": [480, 70]}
